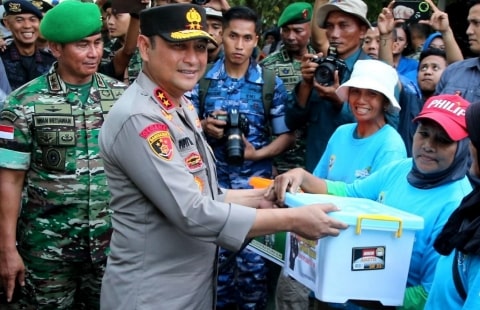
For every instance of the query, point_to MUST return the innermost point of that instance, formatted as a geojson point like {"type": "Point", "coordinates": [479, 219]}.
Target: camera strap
{"type": "Point", "coordinates": [268, 91]}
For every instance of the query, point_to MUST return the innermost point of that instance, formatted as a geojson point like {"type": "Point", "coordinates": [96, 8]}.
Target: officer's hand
{"type": "Point", "coordinates": [214, 127]}
{"type": "Point", "coordinates": [312, 221]}
{"type": "Point", "coordinates": [12, 271]}
{"type": "Point", "coordinates": [308, 67]}
{"type": "Point", "coordinates": [289, 181]}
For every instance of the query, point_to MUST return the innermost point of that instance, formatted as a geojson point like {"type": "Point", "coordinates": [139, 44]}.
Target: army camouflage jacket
{"type": "Point", "coordinates": [65, 214]}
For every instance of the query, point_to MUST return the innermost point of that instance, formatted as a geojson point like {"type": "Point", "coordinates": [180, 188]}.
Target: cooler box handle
{"type": "Point", "coordinates": [377, 217]}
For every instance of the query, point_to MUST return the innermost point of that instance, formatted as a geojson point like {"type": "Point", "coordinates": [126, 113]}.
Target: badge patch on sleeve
{"type": "Point", "coordinates": [159, 140]}
{"type": "Point", "coordinates": [193, 161]}
{"type": "Point", "coordinates": [6, 132]}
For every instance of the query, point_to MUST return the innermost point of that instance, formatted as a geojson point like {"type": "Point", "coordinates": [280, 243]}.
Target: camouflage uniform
{"type": "Point", "coordinates": [244, 280]}
{"type": "Point", "coordinates": [110, 47]}
{"type": "Point", "coordinates": [288, 69]}
{"type": "Point", "coordinates": [134, 66]}
{"type": "Point", "coordinates": [64, 227]}
{"type": "Point", "coordinates": [21, 69]}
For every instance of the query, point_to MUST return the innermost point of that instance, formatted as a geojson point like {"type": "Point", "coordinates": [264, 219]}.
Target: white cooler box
{"type": "Point", "coordinates": [368, 261]}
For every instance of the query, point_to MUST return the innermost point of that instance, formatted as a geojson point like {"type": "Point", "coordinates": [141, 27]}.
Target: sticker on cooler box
{"type": "Point", "coordinates": [368, 258]}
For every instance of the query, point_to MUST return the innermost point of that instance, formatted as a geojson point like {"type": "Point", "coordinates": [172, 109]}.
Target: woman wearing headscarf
{"type": "Point", "coordinates": [457, 278]}
{"type": "Point", "coordinates": [431, 184]}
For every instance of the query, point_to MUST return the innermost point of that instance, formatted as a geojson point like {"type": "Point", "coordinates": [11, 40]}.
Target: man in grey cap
{"type": "Point", "coordinates": [169, 212]}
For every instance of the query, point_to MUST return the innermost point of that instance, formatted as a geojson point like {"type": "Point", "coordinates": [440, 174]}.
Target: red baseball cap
{"type": "Point", "coordinates": [449, 112]}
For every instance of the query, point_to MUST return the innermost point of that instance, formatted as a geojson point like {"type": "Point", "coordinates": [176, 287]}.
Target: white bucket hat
{"type": "Point", "coordinates": [357, 8]}
{"type": "Point", "coordinates": [372, 74]}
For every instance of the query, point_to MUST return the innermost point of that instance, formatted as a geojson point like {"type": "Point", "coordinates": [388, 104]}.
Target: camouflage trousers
{"type": "Point", "coordinates": [59, 285]}
{"type": "Point", "coordinates": [242, 281]}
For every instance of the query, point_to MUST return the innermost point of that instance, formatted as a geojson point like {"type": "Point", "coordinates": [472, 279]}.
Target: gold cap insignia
{"type": "Point", "coordinates": [194, 18]}
{"type": "Point", "coordinates": [15, 7]}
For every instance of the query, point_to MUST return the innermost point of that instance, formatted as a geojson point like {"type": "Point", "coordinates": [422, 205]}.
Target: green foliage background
{"type": "Point", "coordinates": [270, 10]}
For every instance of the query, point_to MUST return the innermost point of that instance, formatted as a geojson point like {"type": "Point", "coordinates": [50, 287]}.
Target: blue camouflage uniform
{"type": "Point", "coordinates": [22, 69]}
{"type": "Point", "coordinates": [243, 282]}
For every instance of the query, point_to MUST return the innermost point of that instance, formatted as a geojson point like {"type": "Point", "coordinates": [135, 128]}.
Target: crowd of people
{"type": "Point", "coordinates": [129, 131]}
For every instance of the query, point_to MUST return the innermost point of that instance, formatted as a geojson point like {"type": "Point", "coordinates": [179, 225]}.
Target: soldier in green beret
{"type": "Point", "coordinates": [49, 152]}
{"type": "Point", "coordinates": [295, 29]}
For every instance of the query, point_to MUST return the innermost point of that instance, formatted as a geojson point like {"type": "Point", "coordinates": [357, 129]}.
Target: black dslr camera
{"type": "Point", "coordinates": [237, 124]}
{"type": "Point", "coordinates": [325, 72]}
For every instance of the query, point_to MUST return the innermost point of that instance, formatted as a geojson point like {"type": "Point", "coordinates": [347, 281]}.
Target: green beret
{"type": "Point", "coordinates": [296, 13]}
{"type": "Point", "coordinates": [71, 21]}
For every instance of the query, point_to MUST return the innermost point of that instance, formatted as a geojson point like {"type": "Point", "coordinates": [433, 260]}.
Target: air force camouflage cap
{"type": "Point", "coordinates": [15, 7]}
{"type": "Point", "coordinates": [175, 22]}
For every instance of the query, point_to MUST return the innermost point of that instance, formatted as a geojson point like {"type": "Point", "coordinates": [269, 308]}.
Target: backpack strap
{"type": "Point", "coordinates": [203, 85]}
{"type": "Point", "coordinates": [268, 91]}
{"type": "Point", "coordinates": [456, 277]}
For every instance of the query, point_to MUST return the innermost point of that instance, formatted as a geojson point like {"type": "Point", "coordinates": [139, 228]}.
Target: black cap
{"type": "Point", "coordinates": [15, 7]}
{"type": "Point", "coordinates": [43, 6]}
{"type": "Point", "coordinates": [175, 22]}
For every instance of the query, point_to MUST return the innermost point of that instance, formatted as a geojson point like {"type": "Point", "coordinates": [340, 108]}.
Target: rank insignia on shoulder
{"type": "Point", "coordinates": [162, 99]}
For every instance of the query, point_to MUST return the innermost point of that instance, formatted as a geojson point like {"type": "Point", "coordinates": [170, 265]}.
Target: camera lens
{"type": "Point", "coordinates": [235, 147]}
{"type": "Point", "coordinates": [324, 74]}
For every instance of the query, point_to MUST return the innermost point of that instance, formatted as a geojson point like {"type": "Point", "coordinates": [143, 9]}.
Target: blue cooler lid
{"type": "Point", "coordinates": [362, 212]}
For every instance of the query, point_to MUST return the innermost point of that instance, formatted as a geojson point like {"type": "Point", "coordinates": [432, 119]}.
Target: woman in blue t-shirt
{"type": "Point", "coordinates": [356, 150]}
{"type": "Point", "coordinates": [431, 184]}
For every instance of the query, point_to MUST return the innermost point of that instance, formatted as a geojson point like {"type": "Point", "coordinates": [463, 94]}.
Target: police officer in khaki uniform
{"type": "Point", "coordinates": [169, 212]}
{"type": "Point", "coordinates": [49, 150]}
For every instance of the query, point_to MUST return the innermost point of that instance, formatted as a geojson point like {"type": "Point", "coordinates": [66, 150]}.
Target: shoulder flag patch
{"type": "Point", "coordinates": [6, 132]}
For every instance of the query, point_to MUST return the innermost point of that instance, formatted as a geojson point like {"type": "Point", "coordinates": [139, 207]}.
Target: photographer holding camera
{"type": "Point", "coordinates": [315, 102]}
{"type": "Point", "coordinates": [236, 121]}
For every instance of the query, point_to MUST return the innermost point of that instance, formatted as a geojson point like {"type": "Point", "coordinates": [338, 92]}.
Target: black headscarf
{"type": "Point", "coordinates": [462, 230]}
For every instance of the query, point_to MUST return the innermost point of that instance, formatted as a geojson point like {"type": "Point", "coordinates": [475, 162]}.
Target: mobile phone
{"type": "Point", "coordinates": [412, 11]}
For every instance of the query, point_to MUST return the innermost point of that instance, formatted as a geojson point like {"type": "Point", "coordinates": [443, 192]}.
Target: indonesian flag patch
{"type": "Point", "coordinates": [6, 132]}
